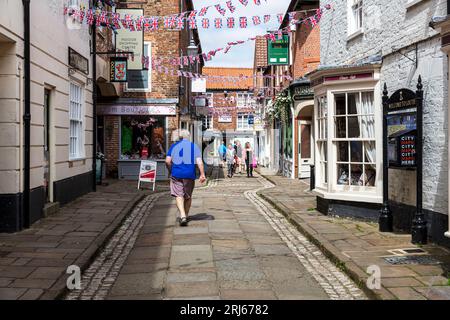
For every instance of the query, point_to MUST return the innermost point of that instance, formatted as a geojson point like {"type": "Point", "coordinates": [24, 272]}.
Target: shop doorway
{"type": "Point", "coordinates": [305, 149]}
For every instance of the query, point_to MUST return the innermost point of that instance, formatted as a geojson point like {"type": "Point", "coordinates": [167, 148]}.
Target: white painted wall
{"type": "Point", "coordinates": [50, 39]}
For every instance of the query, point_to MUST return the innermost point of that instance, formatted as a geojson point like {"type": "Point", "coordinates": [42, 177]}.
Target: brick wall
{"type": "Point", "coordinates": [112, 144]}
{"type": "Point", "coordinates": [306, 50]}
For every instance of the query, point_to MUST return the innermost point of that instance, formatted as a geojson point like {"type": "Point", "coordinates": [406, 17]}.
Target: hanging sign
{"type": "Point", "coordinates": [131, 39]}
{"type": "Point", "coordinates": [118, 69]}
{"type": "Point", "coordinates": [278, 51]}
{"type": "Point", "coordinates": [78, 62]}
{"type": "Point", "coordinates": [148, 173]}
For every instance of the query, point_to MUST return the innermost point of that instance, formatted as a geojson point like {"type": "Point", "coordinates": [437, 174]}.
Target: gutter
{"type": "Point", "coordinates": [27, 116]}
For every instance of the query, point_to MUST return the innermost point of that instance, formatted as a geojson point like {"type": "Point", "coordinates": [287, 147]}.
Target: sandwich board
{"type": "Point", "coordinates": [147, 173]}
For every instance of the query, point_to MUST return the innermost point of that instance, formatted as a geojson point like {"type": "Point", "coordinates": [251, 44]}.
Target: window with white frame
{"type": "Point", "coordinates": [210, 97]}
{"type": "Point", "coordinates": [243, 122]}
{"type": "Point", "coordinates": [355, 16]}
{"type": "Point", "coordinates": [354, 139]}
{"type": "Point", "coordinates": [141, 80]}
{"type": "Point", "coordinates": [322, 138]}
{"type": "Point", "coordinates": [76, 116]}
{"type": "Point", "coordinates": [245, 99]}
{"type": "Point", "coordinates": [208, 122]}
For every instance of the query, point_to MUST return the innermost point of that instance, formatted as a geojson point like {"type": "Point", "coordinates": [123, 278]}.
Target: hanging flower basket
{"type": "Point", "coordinates": [280, 108]}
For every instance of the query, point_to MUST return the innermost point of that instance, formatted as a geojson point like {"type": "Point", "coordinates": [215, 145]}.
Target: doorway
{"type": "Point", "coordinates": [47, 173]}
{"type": "Point", "coordinates": [305, 149]}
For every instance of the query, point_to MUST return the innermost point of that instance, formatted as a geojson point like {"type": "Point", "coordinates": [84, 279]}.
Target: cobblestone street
{"type": "Point", "coordinates": [236, 247]}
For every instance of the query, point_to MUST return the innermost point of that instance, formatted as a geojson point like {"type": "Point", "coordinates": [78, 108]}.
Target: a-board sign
{"type": "Point", "coordinates": [148, 172]}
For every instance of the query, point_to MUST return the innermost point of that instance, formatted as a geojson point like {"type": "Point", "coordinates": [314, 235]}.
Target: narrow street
{"type": "Point", "coordinates": [236, 247]}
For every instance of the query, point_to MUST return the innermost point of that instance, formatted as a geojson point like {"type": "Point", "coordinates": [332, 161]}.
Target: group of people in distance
{"type": "Point", "coordinates": [238, 159]}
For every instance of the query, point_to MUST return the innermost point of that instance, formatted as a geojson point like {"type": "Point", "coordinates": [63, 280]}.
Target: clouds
{"type": "Point", "coordinates": [242, 55]}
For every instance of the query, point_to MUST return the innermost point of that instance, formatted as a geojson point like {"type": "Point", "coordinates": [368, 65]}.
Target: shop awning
{"type": "Point", "coordinates": [107, 90]}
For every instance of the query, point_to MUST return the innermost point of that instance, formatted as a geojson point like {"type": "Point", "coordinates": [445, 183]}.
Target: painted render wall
{"type": "Point", "coordinates": [390, 26]}
{"type": "Point", "coordinates": [50, 39]}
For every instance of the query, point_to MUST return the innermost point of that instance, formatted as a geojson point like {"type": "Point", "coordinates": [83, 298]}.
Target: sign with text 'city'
{"type": "Point", "coordinates": [278, 51]}
{"type": "Point", "coordinates": [132, 41]}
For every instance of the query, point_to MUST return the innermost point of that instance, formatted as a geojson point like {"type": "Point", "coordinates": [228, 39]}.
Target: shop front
{"type": "Point", "coordinates": [133, 133]}
{"type": "Point", "coordinates": [348, 140]}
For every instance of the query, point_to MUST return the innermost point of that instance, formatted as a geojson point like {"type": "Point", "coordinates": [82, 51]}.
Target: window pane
{"type": "Point", "coordinates": [370, 176]}
{"type": "Point", "coordinates": [342, 152]}
{"type": "Point", "coordinates": [353, 127]}
{"type": "Point", "coordinates": [370, 152]}
{"type": "Point", "coordinates": [341, 127]}
{"type": "Point", "coordinates": [340, 104]}
{"type": "Point", "coordinates": [353, 100]}
{"type": "Point", "coordinates": [356, 151]}
{"type": "Point", "coordinates": [342, 170]}
{"type": "Point", "coordinates": [357, 175]}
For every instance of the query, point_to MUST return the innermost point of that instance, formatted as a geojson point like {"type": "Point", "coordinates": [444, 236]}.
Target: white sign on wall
{"type": "Point", "coordinates": [199, 85]}
{"type": "Point", "coordinates": [132, 41]}
{"type": "Point", "coordinates": [225, 119]}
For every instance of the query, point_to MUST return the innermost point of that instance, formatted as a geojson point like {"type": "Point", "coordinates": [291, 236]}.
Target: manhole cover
{"type": "Point", "coordinates": [425, 260]}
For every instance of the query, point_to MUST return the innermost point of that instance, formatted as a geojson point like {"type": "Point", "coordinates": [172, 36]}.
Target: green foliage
{"type": "Point", "coordinates": [280, 108]}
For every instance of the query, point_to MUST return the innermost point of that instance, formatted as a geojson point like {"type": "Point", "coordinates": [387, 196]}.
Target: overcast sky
{"type": "Point", "coordinates": [241, 55]}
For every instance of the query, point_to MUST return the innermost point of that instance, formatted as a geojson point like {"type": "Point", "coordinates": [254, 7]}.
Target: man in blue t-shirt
{"type": "Point", "coordinates": [181, 161]}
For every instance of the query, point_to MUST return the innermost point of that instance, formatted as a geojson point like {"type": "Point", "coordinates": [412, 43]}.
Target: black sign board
{"type": "Point", "coordinates": [402, 149]}
{"type": "Point", "coordinates": [401, 100]}
{"type": "Point", "coordinates": [78, 62]}
{"type": "Point", "coordinates": [302, 93]}
{"type": "Point", "coordinates": [401, 114]}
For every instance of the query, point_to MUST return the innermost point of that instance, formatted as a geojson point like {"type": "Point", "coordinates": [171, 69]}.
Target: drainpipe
{"type": "Point", "coordinates": [26, 116]}
{"type": "Point", "coordinates": [447, 234]}
{"type": "Point", "coordinates": [94, 105]}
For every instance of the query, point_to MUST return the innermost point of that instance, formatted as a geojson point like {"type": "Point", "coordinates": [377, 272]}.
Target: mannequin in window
{"type": "Point", "coordinates": [143, 143]}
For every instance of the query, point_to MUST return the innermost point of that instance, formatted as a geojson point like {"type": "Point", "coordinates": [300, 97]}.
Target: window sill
{"type": "Point", "coordinates": [355, 35]}
{"type": "Point", "coordinates": [366, 196]}
{"type": "Point", "coordinates": [413, 4]}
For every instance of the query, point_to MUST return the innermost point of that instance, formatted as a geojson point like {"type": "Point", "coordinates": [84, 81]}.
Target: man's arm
{"type": "Point", "coordinates": [169, 165]}
{"type": "Point", "coordinates": [201, 167]}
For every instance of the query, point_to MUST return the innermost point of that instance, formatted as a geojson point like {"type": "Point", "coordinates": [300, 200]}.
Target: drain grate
{"type": "Point", "coordinates": [414, 260]}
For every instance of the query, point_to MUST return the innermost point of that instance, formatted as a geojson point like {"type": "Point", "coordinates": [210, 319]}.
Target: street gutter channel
{"type": "Point", "coordinates": [339, 263]}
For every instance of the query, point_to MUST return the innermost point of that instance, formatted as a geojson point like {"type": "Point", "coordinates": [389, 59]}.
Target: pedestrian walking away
{"type": "Point", "coordinates": [231, 161]}
{"type": "Point", "coordinates": [239, 162]}
{"type": "Point", "coordinates": [223, 152]}
{"type": "Point", "coordinates": [181, 161]}
{"type": "Point", "coordinates": [249, 159]}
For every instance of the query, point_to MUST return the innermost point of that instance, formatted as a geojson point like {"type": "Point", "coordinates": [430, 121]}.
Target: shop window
{"type": "Point", "coordinates": [322, 127]}
{"type": "Point", "coordinates": [76, 115]}
{"type": "Point", "coordinates": [242, 122]}
{"type": "Point", "coordinates": [245, 99]}
{"type": "Point", "coordinates": [354, 140]}
{"type": "Point", "coordinates": [143, 137]}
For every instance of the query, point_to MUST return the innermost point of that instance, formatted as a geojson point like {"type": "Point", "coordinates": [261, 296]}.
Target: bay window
{"type": "Point", "coordinates": [348, 135]}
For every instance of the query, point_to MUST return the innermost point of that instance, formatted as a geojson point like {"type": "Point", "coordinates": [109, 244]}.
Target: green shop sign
{"type": "Point", "coordinates": [278, 51]}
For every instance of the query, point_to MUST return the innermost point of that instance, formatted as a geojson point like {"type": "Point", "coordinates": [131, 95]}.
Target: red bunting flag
{"type": "Point", "coordinates": [256, 20]}
{"type": "Point", "coordinates": [192, 14]}
{"type": "Point", "coordinates": [203, 11]}
{"type": "Point", "coordinates": [230, 23]}
{"type": "Point", "coordinates": [218, 23]}
{"type": "Point", "coordinates": [192, 23]}
{"type": "Point", "coordinates": [221, 10]}
{"type": "Point", "coordinates": [267, 18]}
{"type": "Point", "coordinates": [115, 18]}
{"type": "Point", "coordinates": [280, 18]}
{"type": "Point", "coordinates": [231, 7]}
{"type": "Point", "coordinates": [90, 17]}
{"type": "Point", "coordinates": [243, 22]}
{"type": "Point", "coordinates": [205, 23]}
{"type": "Point", "coordinates": [257, 2]}
{"type": "Point", "coordinates": [244, 2]}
